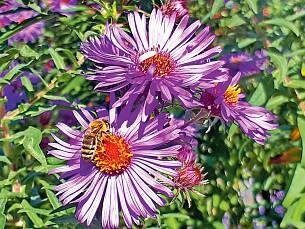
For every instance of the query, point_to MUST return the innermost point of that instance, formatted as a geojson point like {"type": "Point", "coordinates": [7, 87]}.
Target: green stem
{"type": "Point", "coordinates": [12, 114]}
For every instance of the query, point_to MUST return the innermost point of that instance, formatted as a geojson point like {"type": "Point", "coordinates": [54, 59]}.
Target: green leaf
{"type": "Point", "coordinates": [14, 207]}
{"type": "Point", "coordinates": [35, 210]}
{"type": "Point", "coordinates": [276, 101]}
{"type": "Point", "coordinates": [282, 23]}
{"type": "Point", "coordinates": [175, 215]}
{"type": "Point", "coordinates": [63, 208]}
{"type": "Point", "coordinates": [295, 16]}
{"type": "Point", "coordinates": [55, 97]}
{"type": "Point", "coordinates": [5, 160]}
{"type": "Point", "coordinates": [218, 225]}
{"type": "Point", "coordinates": [53, 199]}
{"type": "Point", "coordinates": [114, 11]}
{"type": "Point", "coordinates": [253, 5]}
{"type": "Point", "coordinates": [27, 83]}
{"type": "Point", "coordinates": [70, 55]}
{"type": "Point", "coordinates": [233, 130]}
{"type": "Point", "coordinates": [3, 201]}
{"type": "Point", "coordinates": [294, 214]}
{"type": "Point", "coordinates": [2, 221]}
{"type": "Point", "coordinates": [30, 139]}
{"type": "Point", "coordinates": [281, 64]}
{"type": "Point", "coordinates": [31, 142]}
{"type": "Point", "coordinates": [216, 7]}
{"type": "Point", "coordinates": [246, 42]}
{"type": "Point", "coordinates": [74, 84]}
{"type": "Point", "coordinates": [295, 84]}
{"type": "Point", "coordinates": [301, 126]}
{"type": "Point", "coordinates": [26, 51]}
{"type": "Point", "coordinates": [6, 58]}
{"type": "Point", "coordinates": [10, 75]}
{"type": "Point", "coordinates": [296, 187]}
{"type": "Point", "coordinates": [35, 7]}
{"type": "Point", "coordinates": [234, 21]}
{"type": "Point", "coordinates": [262, 93]}
{"type": "Point", "coordinates": [39, 110]}
{"type": "Point", "coordinates": [2, 208]}
{"type": "Point", "coordinates": [37, 221]}
{"type": "Point", "coordinates": [58, 60]}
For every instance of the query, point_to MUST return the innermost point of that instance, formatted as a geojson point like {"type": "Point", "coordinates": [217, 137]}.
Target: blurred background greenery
{"type": "Point", "coordinates": [250, 186]}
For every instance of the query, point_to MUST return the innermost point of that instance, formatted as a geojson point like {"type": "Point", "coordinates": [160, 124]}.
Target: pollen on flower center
{"type": "Point", "coordinates": [164, 64]}
{"type": "Point", "coordinates": [112, 154]}
{"type": "Point", "coordinates": [231, 95]}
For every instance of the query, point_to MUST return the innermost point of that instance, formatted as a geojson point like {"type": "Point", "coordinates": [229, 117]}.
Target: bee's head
{"type": "Point", "coordinates": [99, 124]}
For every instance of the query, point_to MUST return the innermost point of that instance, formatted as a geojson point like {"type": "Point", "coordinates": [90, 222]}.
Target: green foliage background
{"type": "Point", "coordinates": [229, 157]}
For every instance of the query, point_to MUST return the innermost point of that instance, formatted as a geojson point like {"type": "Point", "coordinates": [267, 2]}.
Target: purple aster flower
{"type": "Point", "coordinates": [261, 210]}
{"type": "Point", "coordinates": [28, 35]}
{"type": "Point", "coordinates": [175, 6]}
{"type": "Point", "coordinates": [280, 194]}
{"type": "Point", "coordinates": [276, 196]}
{"type": "Point", "coordinates": [127, 171]}
{"type": "Point", "coordinates": [157, 64]}
{"type": "Point", "coordinates": [280, 210]}
{"type": "Point", "coordinates": [245, 63]}
{"type": "Point", "coordinates": [6, 6]}
{"type": "Point", "coordinates": [225, 101]}
{"type": "Point", "coordinates": [226, 220]}
{"type": "Point", "coordinates": [60, 5]}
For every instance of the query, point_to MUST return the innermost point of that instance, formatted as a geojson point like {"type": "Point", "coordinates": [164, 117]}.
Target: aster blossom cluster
{"type": "Point", "coordinates": [125, 160]}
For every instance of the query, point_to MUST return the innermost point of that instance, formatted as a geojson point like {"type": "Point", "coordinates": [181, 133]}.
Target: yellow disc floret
{"type": "Point", "coordinates": [112, 154]}
{"type": "Point", "coordinates": [231, 95]}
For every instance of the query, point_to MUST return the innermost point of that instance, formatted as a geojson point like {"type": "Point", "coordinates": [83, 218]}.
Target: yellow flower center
{"type": "Point", "coordinates": [231, 94]}
{"type": "Point", "coordinates": [112, 154]}
{"type": "Point", "coordinates": [164, 64]}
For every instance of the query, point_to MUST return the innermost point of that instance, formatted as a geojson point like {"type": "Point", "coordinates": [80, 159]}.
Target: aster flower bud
{"type": "Point", "coordinates": [189, 176]}
{"type": "Point", "coordinates": [173, 6]}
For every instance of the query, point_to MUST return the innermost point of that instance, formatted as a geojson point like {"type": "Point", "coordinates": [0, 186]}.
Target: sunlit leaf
{"type": "Point", "coordinates": [253, 5]}
{"type": "Point", "coordinates": [301, 126]}
{"type": "Point", "coordinates": [58, 60]}
{"type": "Point", "coordinates": [296, 187]}
{"type": "Point", "coordinates": [27, 83]}
{"type": "Point", "coordinates": [284, 23]}
{"type": "Point", "coordinates": [38, 222]}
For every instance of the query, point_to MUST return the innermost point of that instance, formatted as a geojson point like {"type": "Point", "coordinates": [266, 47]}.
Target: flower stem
{"type": "Point", "coordinates": [202, 114]}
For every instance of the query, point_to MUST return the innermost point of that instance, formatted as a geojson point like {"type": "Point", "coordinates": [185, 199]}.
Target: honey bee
{"type": "Point", "coordinates": [96, 130]}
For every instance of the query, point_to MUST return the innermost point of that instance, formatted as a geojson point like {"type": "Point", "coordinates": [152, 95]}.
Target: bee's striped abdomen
{"type": "Point", "coordinates": [89, 146]}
